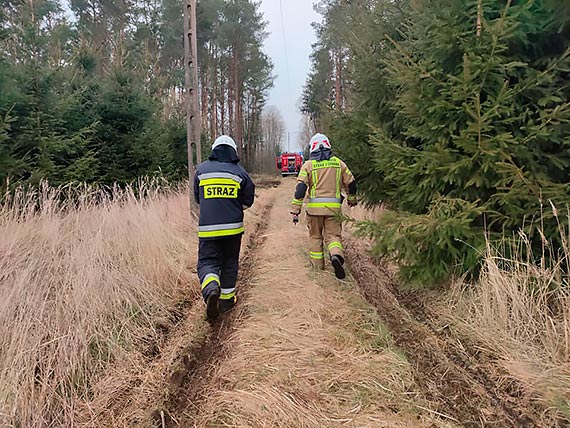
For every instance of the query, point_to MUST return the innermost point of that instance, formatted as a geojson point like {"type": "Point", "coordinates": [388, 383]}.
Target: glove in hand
{"type": "Point", "coordinates": [295, 218]}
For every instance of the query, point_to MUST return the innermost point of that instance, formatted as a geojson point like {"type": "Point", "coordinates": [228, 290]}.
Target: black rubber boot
{"type": "Point", "coordinates": [338, 262]}
{"type": "Point", "coordinates": [212, 308]}
{"type": "Point", "coordinates": [227, 305]}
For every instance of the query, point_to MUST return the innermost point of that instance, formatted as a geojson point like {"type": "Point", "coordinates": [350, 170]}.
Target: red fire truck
{"type": "Point", "coordinates": [289, 163]}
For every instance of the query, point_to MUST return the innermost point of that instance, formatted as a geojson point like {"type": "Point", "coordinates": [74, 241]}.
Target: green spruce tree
{"type": "Point", "coordinates": [473, 137]}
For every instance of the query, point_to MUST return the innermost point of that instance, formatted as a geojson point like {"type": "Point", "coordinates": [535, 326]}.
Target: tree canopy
{"type": "Point", "coordinates": [92, 90]}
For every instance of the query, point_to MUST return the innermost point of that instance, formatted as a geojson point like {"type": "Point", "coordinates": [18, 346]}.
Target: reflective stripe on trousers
{"type": "Point", "coordinates": [335, 245]}
{"type": "Point", "coordinates": [228, 293]}
{"type": "Point", "coordinates": [317, 255]}
{"type": "Point", "coordinates": [220, 230]}
{"type": "Point", "coordinates": [211, 277]}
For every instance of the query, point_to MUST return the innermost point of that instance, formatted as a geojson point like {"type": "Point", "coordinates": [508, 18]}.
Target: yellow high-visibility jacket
{"type": "Point", "coordinates": [325, 182]}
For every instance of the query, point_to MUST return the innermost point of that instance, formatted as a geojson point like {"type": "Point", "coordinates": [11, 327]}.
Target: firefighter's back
{"type": "Point", "coordinates": [220, 186]}
{"type": "Point", "coordinates": [223, 189]}
{"type": "Point", "coordinates": [324, 178]}
{"type": "Point", "coordinates": [325, 183]}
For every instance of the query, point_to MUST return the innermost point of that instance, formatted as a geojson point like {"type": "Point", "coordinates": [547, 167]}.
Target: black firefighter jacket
{"type": "Point", "coordinates": [223, 189]}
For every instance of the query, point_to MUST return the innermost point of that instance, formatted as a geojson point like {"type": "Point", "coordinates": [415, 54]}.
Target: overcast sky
{"type": "Point", "coordinates": [290, 57]}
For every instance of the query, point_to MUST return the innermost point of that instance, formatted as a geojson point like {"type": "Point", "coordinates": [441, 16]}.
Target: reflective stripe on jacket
{"type": "Point", "coordinates": [223, 190]}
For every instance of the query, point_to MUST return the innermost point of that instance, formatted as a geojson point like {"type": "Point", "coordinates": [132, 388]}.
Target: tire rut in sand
{"type": "Point", "coordinates": [514, 397]}
{"type": "Point", "coordinates": [188, 384]}
{"type": "Point", "coordinates": [460, 390]}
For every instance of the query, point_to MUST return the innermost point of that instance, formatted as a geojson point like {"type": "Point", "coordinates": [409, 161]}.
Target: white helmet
{"type": "Point", "coordinates": [318, 142]}
{"type": "Point", "coordinates": [224, 140]}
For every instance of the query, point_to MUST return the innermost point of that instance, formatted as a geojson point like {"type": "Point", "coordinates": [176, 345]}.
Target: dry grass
{"type": "Point", "coordinates": [521, 311]}
{"type": "Point", "coordinates": [266, 181]}
{"type": "Point", "coordinates": [363, 213]}
{"type": "Point", "coordinates": [82, 285]}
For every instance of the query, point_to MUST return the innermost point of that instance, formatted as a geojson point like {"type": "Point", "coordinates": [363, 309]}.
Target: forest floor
{"type": "Point", "coordinates": [303, 349]}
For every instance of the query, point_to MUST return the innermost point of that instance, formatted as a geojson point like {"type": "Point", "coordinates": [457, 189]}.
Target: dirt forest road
{"type": "Point", "coordinates": [303, 349]}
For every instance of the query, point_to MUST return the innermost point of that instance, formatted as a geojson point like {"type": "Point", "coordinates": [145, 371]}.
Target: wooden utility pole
{"type": "Point", "coordinates": [191, 81]}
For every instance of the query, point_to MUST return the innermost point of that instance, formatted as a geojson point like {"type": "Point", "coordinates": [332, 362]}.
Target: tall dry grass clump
{"type": "Point", "coordinates": [84, 272]}
{"type": "Point", "coordinates": [521, 310]}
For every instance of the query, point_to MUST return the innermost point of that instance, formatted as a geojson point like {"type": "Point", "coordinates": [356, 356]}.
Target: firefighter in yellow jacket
{"type": "Point", "coordinates": [325, 178]}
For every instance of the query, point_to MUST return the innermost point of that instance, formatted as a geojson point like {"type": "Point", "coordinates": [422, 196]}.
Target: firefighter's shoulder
{"type": "Point", "coordinates": [342, 163]}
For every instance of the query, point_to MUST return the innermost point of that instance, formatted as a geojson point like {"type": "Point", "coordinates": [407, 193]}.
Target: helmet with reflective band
{"type": "Point", "coordinates": [318, 142]}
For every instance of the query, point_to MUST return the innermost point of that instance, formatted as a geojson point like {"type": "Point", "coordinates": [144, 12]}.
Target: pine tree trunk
{"type": "Point", "coordinates": [166, 108]}
{"type": "Point", "coordinates": [214, 106]}
{"type": "Point", "coordinates": [239, 123]}
{"type": "Point", "coordinates": [223, 105]}
{"type": "Point", "coordinates": [338, 82]}
{"type": "Point", "coordinates": [205, 89]}
{"type": "Point", "coordinates": [232, 96]}
{"type": "Point", "coordinates": [195, 99]}
{"type": "Point", "coordinates": [238, 87]}
{"type": "Point", "coordinates": [251, 135]}
{"type": "Point", "coordinates": [214, 98]}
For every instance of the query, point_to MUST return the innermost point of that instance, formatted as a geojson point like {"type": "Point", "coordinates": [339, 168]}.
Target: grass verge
{"type": "Point", "coordinates": [85, 281]}
{"type": "Point", "coordinates": [520, 313]}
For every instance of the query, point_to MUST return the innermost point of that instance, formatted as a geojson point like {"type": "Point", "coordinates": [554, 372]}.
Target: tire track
{"type": "Point", "coordinates": [479, 364]}
{"type": "Point", "coordinates": [461, 389]}
{"type": "Point", "coordinates": [187, 386]}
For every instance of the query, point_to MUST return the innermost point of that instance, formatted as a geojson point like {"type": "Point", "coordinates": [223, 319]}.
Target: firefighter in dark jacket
{"type": "Point", "coordinates": [223, 189]}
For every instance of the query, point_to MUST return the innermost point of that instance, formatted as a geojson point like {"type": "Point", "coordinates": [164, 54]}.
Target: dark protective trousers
{"type": "Point", "coordinates": [218, 265]}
